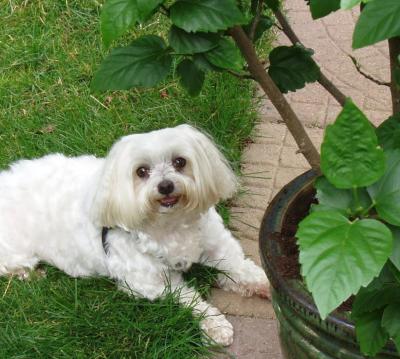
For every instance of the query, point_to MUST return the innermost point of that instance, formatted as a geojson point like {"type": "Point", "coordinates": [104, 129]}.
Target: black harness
{"type": "Point", "coordinates": [104, 232]}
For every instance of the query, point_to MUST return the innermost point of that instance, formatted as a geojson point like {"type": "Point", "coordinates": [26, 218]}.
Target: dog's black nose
{"type": "Point", "coordinates": [165, 187]}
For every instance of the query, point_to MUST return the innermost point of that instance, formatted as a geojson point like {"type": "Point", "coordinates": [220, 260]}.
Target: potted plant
{"type": "Point", "coordinates": [349, 241]}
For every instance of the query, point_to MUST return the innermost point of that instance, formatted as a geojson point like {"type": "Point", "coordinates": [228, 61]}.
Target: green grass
{"type": "Point", "coordinates": [49, 50]}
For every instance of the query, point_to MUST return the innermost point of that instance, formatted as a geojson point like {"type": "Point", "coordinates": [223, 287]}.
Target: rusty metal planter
{"type": "Point", "coordinates": [302, 333]}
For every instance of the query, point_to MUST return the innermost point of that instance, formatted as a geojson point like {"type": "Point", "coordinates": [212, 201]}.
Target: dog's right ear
{"type": "Point", "coordinates": [114, 202]}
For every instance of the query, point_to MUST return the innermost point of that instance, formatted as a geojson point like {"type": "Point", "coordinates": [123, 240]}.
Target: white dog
{"type": "Point", "coordinates": [155, 192]}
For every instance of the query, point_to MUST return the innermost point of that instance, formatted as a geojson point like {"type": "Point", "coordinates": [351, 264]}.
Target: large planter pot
{"type": "Point", "coordinates": [302, 333]}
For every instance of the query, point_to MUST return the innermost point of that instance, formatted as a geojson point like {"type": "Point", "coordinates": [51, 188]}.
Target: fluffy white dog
{"type": "Point", "coordinates": [155, 192]}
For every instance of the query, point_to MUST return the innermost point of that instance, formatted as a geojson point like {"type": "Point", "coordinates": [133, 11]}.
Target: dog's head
{"type": "Point", "coordinates": [173, 171]}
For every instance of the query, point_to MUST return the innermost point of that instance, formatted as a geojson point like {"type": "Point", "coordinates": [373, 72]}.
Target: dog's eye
{"type": "Point", "coordinates": [179, 163]}
{"type": "Point", "coordinates": [143, 172]}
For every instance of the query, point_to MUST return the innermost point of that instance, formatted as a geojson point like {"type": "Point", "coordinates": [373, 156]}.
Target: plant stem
{"type": "Point", "coordinates": [293, 123]}
{"type": "Point", "coordinates": [394, 51]}
{"type": "Point", "coordinates": [323, 80]}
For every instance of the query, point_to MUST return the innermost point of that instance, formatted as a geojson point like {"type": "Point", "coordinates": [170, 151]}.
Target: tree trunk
{"type": "Point", "coordinates": [293, 123]}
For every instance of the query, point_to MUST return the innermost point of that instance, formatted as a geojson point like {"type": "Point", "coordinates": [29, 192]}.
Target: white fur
{"type": "Point", "coordinates": [53, 210]}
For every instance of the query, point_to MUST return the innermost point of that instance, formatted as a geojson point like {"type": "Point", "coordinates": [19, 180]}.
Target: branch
{"type": "Point", "coordinates": [256, 19]}
{"type": "Point", "coordinates": [367, 76]}
{"type": "Point", "coordinates": [293, 123]}
{"type": "Point", "coordinates": [323, 80]}
{"type": "Point", "coordinates": [240, 76]}
{"type": "Point", "coordinates": [394, 51]}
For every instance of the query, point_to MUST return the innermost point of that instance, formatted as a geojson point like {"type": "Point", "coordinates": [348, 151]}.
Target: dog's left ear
{"type": "Point", "coordinates": [213, 174]}
{"type": "Point", "coordinates": [115, 203]}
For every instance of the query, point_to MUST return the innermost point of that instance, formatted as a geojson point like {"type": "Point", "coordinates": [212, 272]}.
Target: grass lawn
{"type": "Point", "coordinates": [49, 50]}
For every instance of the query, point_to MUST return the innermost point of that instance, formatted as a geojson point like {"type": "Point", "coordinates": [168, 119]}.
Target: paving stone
{"type": "Point", "coordinates": [261, 153]}
{"type": "Point", "coordinates": [250, 248]}
{"type": "Point", "coordinates": [234, 304]}
{"type": "Point", "coordinates": [312, 93]}
{"type": "Point", "coordinates": [315, 135]}
{"type": "Point", "coordinates": [258, 175]}
{"type": "Point", "coordinates": [249, 217]}
{"type": "Point", "coordinates": [269, 133]}
{"type": "Point", "coordinates": [291, 158]}
{"type": "Point", "coordinates": [310, 114]}
{"type": "Point", "coordinates": [285, 175]}
{"type": "Point", "coordinates": [254, 339]}
{"type": "Point", "coordinates": [376, 116]}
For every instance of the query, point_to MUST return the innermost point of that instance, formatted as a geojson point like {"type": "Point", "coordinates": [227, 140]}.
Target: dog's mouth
{"type": "Point", "coordinates": [169, 201]}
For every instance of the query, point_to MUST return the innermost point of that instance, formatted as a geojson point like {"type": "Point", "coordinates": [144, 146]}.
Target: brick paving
{"type": "Point", "coordinates": [271, 161]}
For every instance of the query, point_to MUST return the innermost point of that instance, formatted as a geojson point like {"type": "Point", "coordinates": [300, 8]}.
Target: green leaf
{"type": "Point", "coordinates": [389, 133]}
{"type": "Point", "coordinates": [331, 198]}
{"type": "Point", "coordinates": [147, 7]}
{"type": "Point", "coordinates": [370, 333]}
{"type": "Point", "coordinates": [264, 24]}
{"type": "Point", "coordinates": [395, 257]}
{"type": "Point", "coordinates": [350, 156]}
{"type": "Point", "coordinates": [292, 67]}
{"type": "Point", "coordinates": [117, 16]}
{"type": "Point", "coordinates": [205, 15]}
{"type": "Point", "coordinates": [338, 257]}
{"type": "Point", "coordinates": [321, 8]}
{"type": "Point", "coordinates": [378, 21]}
{"type": "Point", "coordinates": [226, 55]}
{"type": "Point", "coordinates": [203, 64]}
{"type": "Point", "coordinates": [386, 192]}
{"type": "Point", "coordinates": [145, 63]}
{"type": "Point", "coordinates": [191, 77]}
{"type": "Point", "coordinates": [391, 322]}
{"type": "Point", "coordinates": [396, 76]}
{"type": "Point", "coordinates": [272, 4]}
{"type": "Point", "coordinates": [191, 43]}
{"type": "Point", "coordinates": [368, 300]}
{"type": "Point", "coordinates": [348, 4]}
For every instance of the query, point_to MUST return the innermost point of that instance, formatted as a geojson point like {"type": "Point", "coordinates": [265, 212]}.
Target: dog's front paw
{"type": "Point", "coordinates": [248, 280]}
{"type": "Point", "coordinates": [218, 329]}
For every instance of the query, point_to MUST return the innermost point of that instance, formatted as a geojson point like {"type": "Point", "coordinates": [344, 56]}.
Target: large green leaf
{"type": "Point", "coordinates": [342, 200]}
{"type": "Point", "coordinates": [191, 43]}
{"type": "Point", "coordinates": [368, 300]}
{"type": "Point", "coordinates": [117, 16]}
{"type": "Point", "coordinates": [292, 67]}
{"type": "Point", "coordinates": [145, 63]}
{"type": "Point", "coordinates": [348, 4]}
{"type": "Point", "coordinates": [389, 133]}
{"type": "Point", "coordinates": [338, 257]}
{"type": "Point", "coordinates": [370, 333]}
{"type": "Point", "coordinates": [147, 7]}
{"type": "Point", "coordinates": [350, 156]}
{"type": "Point", "coordinates": [378, 21]}
{"type": "Point", "coordinates": [386, 192]}
{"type": "Point", "coordinates": [226, 55]}
{"type": "Point", "coordinates": [191, 77]}
{"type": "Point", "coordinates": [395, 257]}
{"type": "Point", "coordinates": [391, 321]}
{"type": "Point", "coordinates": [203, 64]}
{"type": "Point", "coordinates": [206, 15]}
{"type": "Point", "coordinates": [321, 8]}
